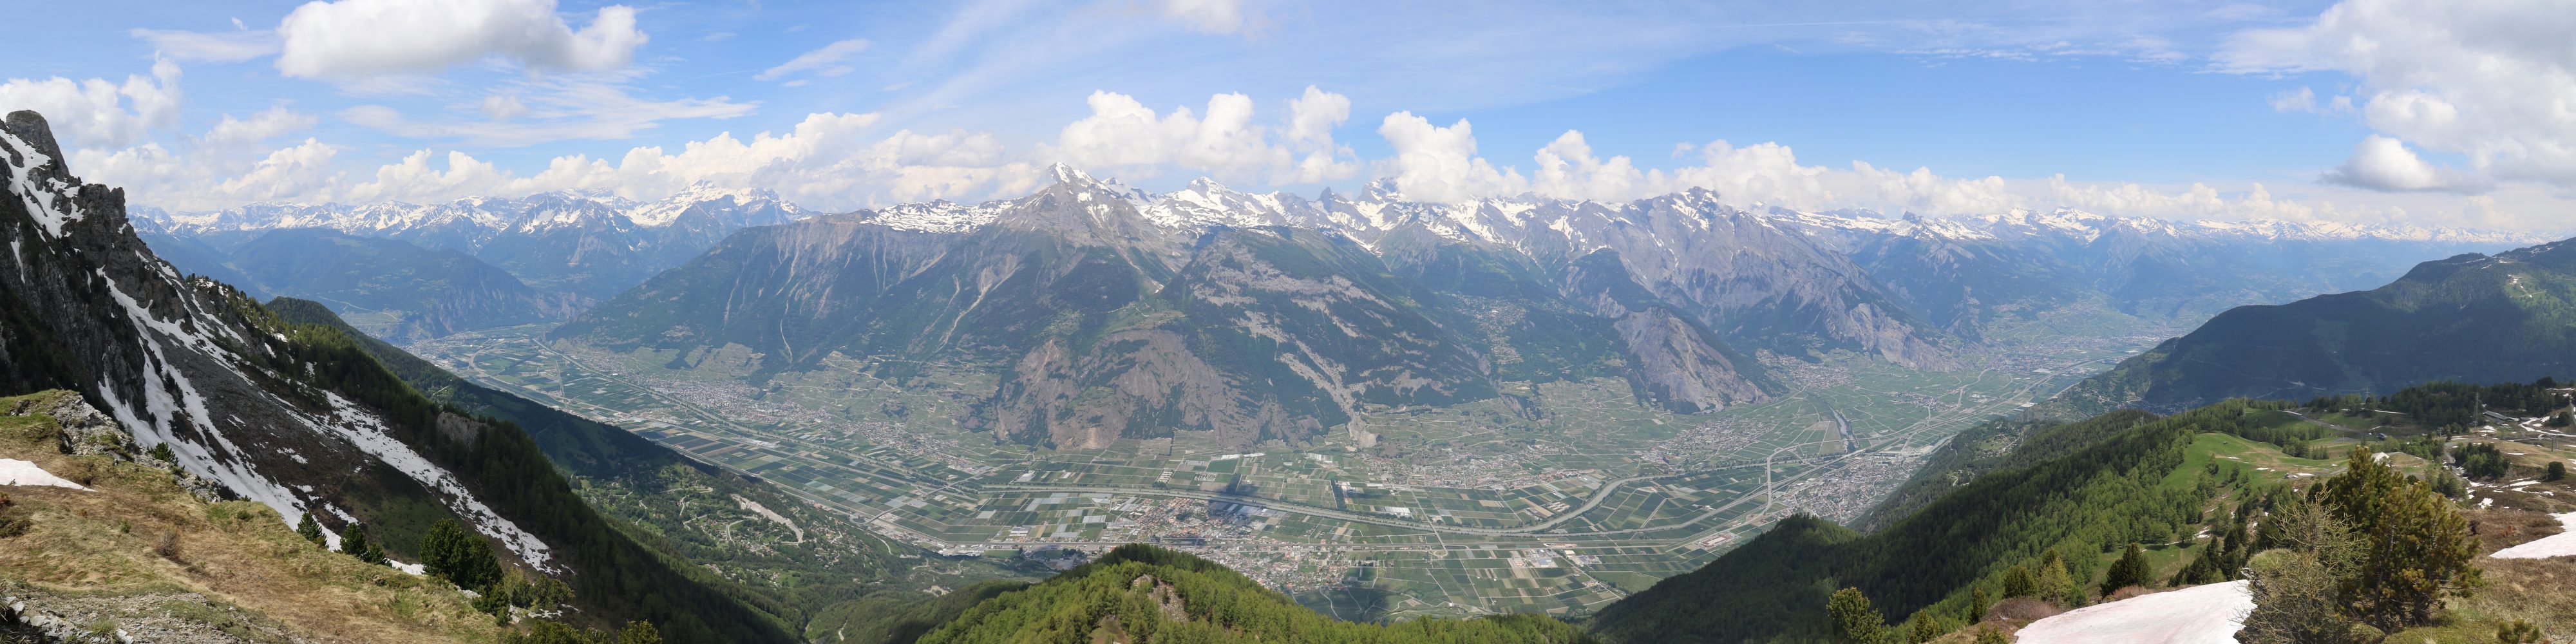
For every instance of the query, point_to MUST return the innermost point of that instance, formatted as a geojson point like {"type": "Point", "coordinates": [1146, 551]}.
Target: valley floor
{"type": "Point", "coordinates": [1476, 509]}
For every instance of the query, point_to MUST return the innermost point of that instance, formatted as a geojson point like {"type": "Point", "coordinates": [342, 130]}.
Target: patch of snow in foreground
{"type": "Point", "coordinates": [2205, 614]}
{"type": "Point", "coordinates": [2563, 543]}
{"type": "Point", "coordinates": [17, 472]}
{"type": "Point", "coordinates": [416, 570]}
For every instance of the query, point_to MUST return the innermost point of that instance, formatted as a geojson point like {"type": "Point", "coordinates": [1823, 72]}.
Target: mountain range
{"type": "Point", "coordinates": [1108, 312]}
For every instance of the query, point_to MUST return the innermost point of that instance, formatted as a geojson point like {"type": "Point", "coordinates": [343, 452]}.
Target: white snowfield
{"type": "Point", "coordinates": [2557, 545]}
{"type": "Point", "coordinates": [17, 472]}
{"type": "Point", "coordinates": [2205, 614]}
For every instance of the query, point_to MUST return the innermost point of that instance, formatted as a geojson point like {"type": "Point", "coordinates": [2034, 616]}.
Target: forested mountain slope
{"type": "Point", "coordinates": [2509, 317]}
{"type": "Point", "coordinates": [298, 417]}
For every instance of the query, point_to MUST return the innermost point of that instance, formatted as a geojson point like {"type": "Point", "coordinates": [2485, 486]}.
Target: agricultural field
{"type": "Point", "coordinates": [1574, 500]}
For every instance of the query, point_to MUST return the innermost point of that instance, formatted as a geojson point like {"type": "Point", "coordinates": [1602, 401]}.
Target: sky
{"type": "Point", "coordinates": [2414, 112]}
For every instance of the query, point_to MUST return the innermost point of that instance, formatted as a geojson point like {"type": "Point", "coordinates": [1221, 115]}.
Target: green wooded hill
{"type": "Point", "coordinates": [1140, 593]}
{"type": "Point", "coordinates": [2510, 317]}
{"type": "Point", "coordinates": [2083, 489]}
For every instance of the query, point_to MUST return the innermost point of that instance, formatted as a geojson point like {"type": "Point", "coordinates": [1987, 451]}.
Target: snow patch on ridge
{"type": "Point", "coordinates": [364, 429]}
{"type": "Point", "coordinates": [17, 472]}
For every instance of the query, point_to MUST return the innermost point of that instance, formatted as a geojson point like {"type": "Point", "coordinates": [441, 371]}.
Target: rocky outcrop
{"type": "Point", "coordinates": [184, 363]}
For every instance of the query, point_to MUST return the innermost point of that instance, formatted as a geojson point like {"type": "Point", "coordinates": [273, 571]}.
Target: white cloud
{"type": "Point", "coordinates": [1210, 16]}
{"type": "Point", "coordinates": [1434, 163]}
{"type": "Point", "coordinates": [555, 108]}
{"type": "Point", "coordinates": [267, 124]}
{"type": "Point", "coordinates": [218, 47]}
{"type": "Point", "coordinates": [503, 107]}
{"type": "Point", "coordinates": [826, 61]}
{"type": "Point", "coordinates": [2383, 163]}
{"type": "Point", "coordinates": [358, 38]}
{"type": "Point", "coordinates": [2304, 100]}
{"type": "Point", "coordinates": [98, 113]}
{"type": "Point", "coordinates": [1124, 136]}
{"type": "Point", "coordinates": [2486, 79]}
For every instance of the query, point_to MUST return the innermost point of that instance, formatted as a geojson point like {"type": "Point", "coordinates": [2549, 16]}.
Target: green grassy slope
{"type": "Point", "coordinates": [2082, 489]}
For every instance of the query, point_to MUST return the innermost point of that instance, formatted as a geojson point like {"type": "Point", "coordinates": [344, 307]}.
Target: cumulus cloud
{"type": "Point", "coordinates": [97, 112]}
{"type": "Point", "coordinates": [357, 38]}
{"type": "Point", "coordinates": [2383, 163]}
{"type": "Point", "coordinates": [1434, 163]}
{"type": "Point", "coordinates": [1124, 135]}
{"type": "Point", "coordinates": [2486, 79]}
{"type": "Point", "coordinates": [830, 60]}
{"type": "Point", "coordinates": [217, 47]}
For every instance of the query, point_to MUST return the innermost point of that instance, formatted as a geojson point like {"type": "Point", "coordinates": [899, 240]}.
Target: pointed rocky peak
{"type": "Point", "coordinates": [37, 172]}
{"type": "Point", "coordinates": [1061, 172]}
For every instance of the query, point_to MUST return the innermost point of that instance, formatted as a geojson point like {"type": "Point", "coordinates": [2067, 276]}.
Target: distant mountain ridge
{"type": "Point", "coordinates": [398, 290]}
{"type": "Point", "coordinates": [591, 244]}
{"type": "Point", "coordinates": [2507, 317]}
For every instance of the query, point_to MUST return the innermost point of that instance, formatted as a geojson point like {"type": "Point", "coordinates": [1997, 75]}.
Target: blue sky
{"type": "Point", "coordinates": [2176, 109]}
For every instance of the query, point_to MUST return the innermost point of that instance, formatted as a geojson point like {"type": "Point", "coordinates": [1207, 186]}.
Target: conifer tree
{"type": "Point", "coordinates": [1978, 604]}
{"type": "Point", "coordinates": [2017, 582]}
{"type": "Point", "coordinates": [2052, 583]}
{"type": "Point", "coordinates": [639, 632]}
{"type": "Point", "coordinates": [353, 542]}
{"type": "Point", "coordinates": [2417, 549]}
{"type": "Point", "coordinates": [1854, 620]}
{"type": "Point", "coordinates": [2129, 570]}
{"type": "Point", "coordinates": [311, 530]}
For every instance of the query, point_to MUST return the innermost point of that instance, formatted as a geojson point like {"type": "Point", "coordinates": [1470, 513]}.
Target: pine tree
{"type": "Point", "coordinates": [2557, 471]}
{"type": "Point", "coordinates": [2052, 583]}
{"type": "Point", "coordinates": [353, 542]}
{"type": "Point", "coordinates": [311, 530]}
{"type": "Point", "coordinates": [2017, 582]}
{"type": "Point", "coordinates": [459, 555]}
{"type": "Point", "coordinates": [1991, 636]}
{"type": "Point", "coordinates": [1978, 604]}
{"type": "Point", "coordinates": [1925, 629]}
{"type": "Point", "coordinates": [1854, 620]}
{"type": "Point", "coordinates": [639, 632]}
{"type": "Point", "coordinates": [2129, 570]}
{"type": "Point", "coordinates": [2417, 548]}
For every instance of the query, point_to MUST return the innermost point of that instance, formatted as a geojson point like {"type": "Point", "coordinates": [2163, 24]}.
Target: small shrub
{"type": "Point", "coordinates": [2557, 471]}
{"type": "Point", "coordinates": [169, 547]}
